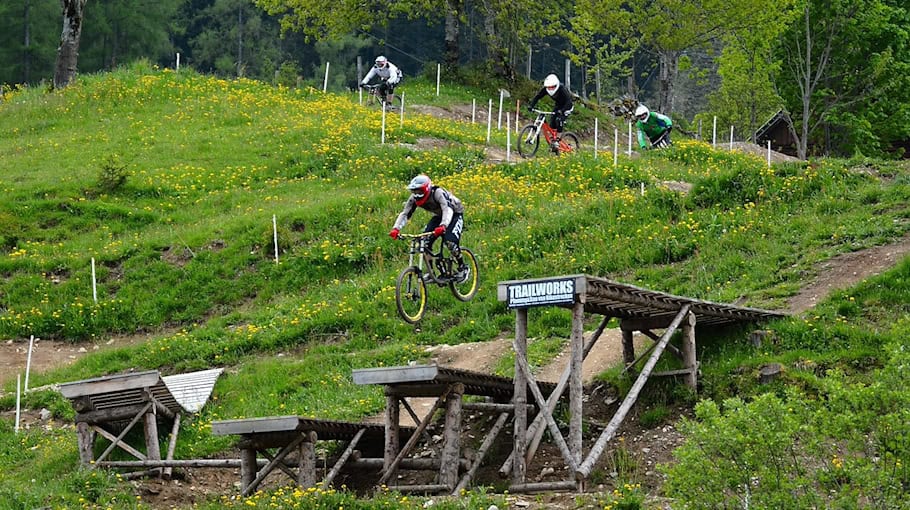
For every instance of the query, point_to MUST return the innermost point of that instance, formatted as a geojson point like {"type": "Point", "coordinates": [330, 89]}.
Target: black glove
{"type": "Point", "coordinates": [531, 108]}
{"type": "Point", "coordinates": [558, 112]}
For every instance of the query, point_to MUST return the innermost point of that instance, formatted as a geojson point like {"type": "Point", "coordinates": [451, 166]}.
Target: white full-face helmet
{"type": "Point", "coordinates": [642, 113]}
{"type": "Point", "coordinates": [551, 83]}
{"type": "Point", "coordinates": [381, 61]}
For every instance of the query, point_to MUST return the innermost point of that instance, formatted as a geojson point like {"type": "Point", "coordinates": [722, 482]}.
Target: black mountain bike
{"type": "Point", "coordinates": [431, 267]}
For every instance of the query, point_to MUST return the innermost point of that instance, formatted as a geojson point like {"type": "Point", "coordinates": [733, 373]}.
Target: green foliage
{"type": "Point", "coordinates": [653, 417]}
{"type": "Point", "coordinates": [112, 175]}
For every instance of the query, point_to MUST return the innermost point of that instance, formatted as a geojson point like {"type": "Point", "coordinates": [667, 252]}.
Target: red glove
{"type": "Point", "coordinates": [394, 233]}
{"type": "Point", "coordinates": [440, 230]}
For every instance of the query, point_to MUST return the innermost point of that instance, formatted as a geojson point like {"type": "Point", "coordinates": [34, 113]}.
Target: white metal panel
{"type": "Point", "coordinates": [192, 390]}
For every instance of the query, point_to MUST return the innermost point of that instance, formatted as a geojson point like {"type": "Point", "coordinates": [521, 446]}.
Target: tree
{"type": "Point", "coordinates": [747, 68]}
{"type": "Point", "coordinates": [669, 27]}
{"type": "Point", "coordinates": [602, 35]}
{"type": "Point", "coordinates": [831, 89]}
{"type": "Point", "coordinates": [236, 38]}
{"type": "Point", "coordinates": [28, 41]}
{"type": "Point", "coordinates": [124, 30]}
{"type": "Point", "coordinates": [68, 52]}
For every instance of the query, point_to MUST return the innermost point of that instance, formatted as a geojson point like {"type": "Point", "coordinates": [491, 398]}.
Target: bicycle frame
{"type": "Point", "coordinates": [549, 134]}
{"type": "Point", "coordinates": [420, 248]}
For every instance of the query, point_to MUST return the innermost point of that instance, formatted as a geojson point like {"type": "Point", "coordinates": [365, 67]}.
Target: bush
{"type": "Point", "coordinates": [112, 175]}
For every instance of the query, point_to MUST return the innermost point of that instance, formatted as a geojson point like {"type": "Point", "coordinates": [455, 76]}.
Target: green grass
{"type": "Point", "coordinates": [183, 246]}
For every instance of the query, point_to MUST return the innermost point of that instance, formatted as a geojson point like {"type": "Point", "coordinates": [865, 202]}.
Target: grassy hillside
{"type": "Point", "coordinates": [170, 182]}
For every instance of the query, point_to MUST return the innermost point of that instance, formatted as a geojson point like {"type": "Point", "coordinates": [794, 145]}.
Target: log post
{"type": "Point", "coordinates": [171, 446]}
{"type": "Point", "coordinates": [86, 439]}
{"type": "Point", "coordinates": [628, 350]}
{"type": "Point", "coordinates": [391, 431]}
{"type": "Point", "coordinates": [520, 398]}
{"type": "Point", "coordinates": [690, 359]}
{"type": "Point", "coordinates": [152, 447]}
{"type": "Point", "coordinates": [306, 472]}
{"type": "Point", "coordinates": [248, 467]}
{"type": "Point", "coordinates": [576, 391]}
{"type": "Point", "coordinates": [451, 450]}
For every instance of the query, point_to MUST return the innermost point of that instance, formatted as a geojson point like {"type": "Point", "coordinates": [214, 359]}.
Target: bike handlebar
{"type": "Point", "coordinates": [541, 112]}
{"type": "Point", "coordinates": [415, 236]}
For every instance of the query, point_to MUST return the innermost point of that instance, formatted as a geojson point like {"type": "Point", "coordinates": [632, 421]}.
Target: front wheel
{"type": "Point", "coordinates": [465, 288]}
{"type": "Point", "coordinates": [411, 295]}
{"type": "Point", "coordinates": [528, 141]}
{"type": "Point", "coordinates": [568, 143]}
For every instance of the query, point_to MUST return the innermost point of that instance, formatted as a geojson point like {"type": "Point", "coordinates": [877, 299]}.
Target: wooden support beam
{"type": "Point", "coordinates": [117, 441]}
{"type": "Point", "coordinates": [536, 430]}
{"type": "Point", "coordinates": [490, 407]}
{"type": "Point", "coordinates": [451, 448]}
{"type": "Point", "coordinates": [551, 423]}
{"type": "Point", "coordinates": [392, 432]}
{"type": "Point", "coordinates": [564, 485]}
{"type": "Point", "coordinates": [690, 359]}
{"type": "Point", "coordinates": [393, 466]}
{"type": "Point", "coordinates": [306, 472]}
{"type": "Point", "coordinates": [345, 455]}
{"type": "Point", "coordinates": [429, 489]}
{"type": "Point", "coordinates": [585, 468]}
{"type": "Point", "coordinates": [481, 453]}
{"type": "Point", "coordinates": [628, 350]}
{"type": "Point", "coordinates": [171, 446]}
{"type": "Point", "coordinates": [576, 390]}
{"type": "Point", "coordinates": [248, 467]}
{"type": "Point", "coordinates": [260, 476]}
{"type": "Point", "coordinates": [670, 347]}
{"type": "Point", "coordinates": [85, 437]}
{"type": "Point", "coordinates": [284, 465]}
{"type": "Point", "coordinates": [520, 398]}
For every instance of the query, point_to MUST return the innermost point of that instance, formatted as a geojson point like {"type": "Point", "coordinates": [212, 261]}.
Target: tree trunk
{"type": "Point", "coordinates": [452, 50]}
{"type": "Point", "coordinates": [68, 52]}
{"type": "Point", "coordinates": [27, 55]}
{"type": "Point", "coordinates": [669, 67]}
{"type": "Point", "coordinates": [497, 53]}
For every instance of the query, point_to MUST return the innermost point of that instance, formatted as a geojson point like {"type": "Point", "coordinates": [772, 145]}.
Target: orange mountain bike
{"type": "Point", "coordinates": [426, 266]}
{"type": "Point", "coordinates": [529, 138]}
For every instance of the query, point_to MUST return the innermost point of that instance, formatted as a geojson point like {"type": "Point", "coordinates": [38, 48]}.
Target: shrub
{"type": "Point", "coordinates": [112, 175]}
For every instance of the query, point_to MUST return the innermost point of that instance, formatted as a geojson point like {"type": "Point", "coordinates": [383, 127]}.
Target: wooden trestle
{"type": "Point", "coordinates": [111, 406]}
{"type": "Point", "coordinates": [637, 310]}
{"type": "Point", "coordinates": [449, 386]}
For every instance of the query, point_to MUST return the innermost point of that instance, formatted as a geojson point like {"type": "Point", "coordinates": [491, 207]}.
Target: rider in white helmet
{"type": "Point", "coordinates": [388, 74]}
{"type": "Point", "coordinates": [562, 100]}
{"type": "Point", "coordinates": [653, 128]}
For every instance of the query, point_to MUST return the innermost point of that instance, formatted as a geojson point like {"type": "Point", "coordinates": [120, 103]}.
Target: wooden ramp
{"type": "Point", "coordinates": [637, 309]}
{"type": "Point", "coordinates": [289, 434]}
{"type": "Point", "coordinates": [111, 406]}
{"type": "Point", "coordinates": [449, 386]}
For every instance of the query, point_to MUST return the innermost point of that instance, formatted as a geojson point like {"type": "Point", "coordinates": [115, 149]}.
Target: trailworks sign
{"type": "Point", "coordinates": [539, 293]}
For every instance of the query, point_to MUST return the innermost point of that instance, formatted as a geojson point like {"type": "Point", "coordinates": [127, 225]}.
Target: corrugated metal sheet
{"type": "Point", "coordinates": [179, 393]}
{"type": "Point", "coordinates": [192, 390]}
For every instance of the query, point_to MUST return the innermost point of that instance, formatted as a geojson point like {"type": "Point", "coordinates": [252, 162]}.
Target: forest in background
{"type": "Point", "coordinates": [839, 68]}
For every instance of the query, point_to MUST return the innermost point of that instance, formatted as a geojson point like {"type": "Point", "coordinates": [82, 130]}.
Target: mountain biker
{"type": "Point", "coordinates": [562, 100]}
{"type": "Point", "coordinates": [447, 221]}
{"type": "Point", "coordinates": [388, 73]}
{"type": "Point", "coordinates": [655, 126]}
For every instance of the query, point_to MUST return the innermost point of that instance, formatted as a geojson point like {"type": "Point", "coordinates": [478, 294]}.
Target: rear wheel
{"type": "Point", "coordinates": [528, 141]}
{"type": "Point", "coordinates": [465, 289]}
{"type": "Point", "coordinates": [395, 104]}
{"type": "Point", "coordinates": [411, 295]}
{"type": "Point", "coordinates": [568, 143]}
